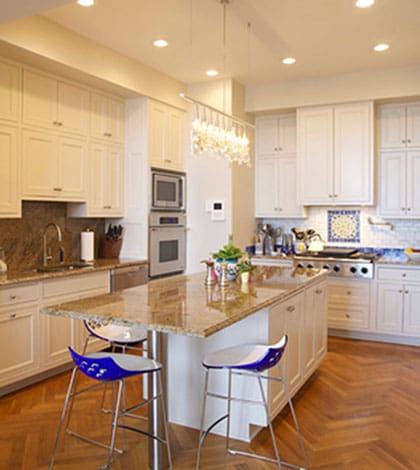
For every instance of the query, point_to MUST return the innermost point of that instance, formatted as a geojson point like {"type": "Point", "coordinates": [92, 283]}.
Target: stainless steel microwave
{"type": "Point", "coordinates": [168, 190]}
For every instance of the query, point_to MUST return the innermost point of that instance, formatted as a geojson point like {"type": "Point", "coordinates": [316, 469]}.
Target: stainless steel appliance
{"type": "Point", "coordinates": [168, 190]}
{"type": "Point", "coordinates": [167, 237]}
{"type": "Point", "coordinates": [340, 262]}
{"type": "Point", "coordinates": [128, 276]}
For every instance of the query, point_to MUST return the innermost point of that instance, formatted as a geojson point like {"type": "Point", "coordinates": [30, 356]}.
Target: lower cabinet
{"type": "Point", "coordinates": [348, 304]}
{"type": "Point", "coordinates": [398, 301]}
{"type": "Point", "coordinates": [31, 342]}
{"type": "Point", "coordinates": [304, 319]}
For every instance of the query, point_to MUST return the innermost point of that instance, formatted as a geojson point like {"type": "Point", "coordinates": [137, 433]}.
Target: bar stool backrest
{"type": "Point", "coordinates": [271, 357]}
{"type": "Point", "coordinates": [100, 368]}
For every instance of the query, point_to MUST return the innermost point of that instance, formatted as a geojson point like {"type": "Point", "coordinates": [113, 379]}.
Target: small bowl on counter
{"type": "Point", "coordinates": [413, 254]}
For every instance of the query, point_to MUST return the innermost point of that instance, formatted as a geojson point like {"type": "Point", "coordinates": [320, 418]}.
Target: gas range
{"type": "Point", "coordinates": [340, 262]}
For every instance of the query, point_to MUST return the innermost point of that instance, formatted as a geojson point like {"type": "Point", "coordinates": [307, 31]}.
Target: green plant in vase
{"type": "Point", "coordinates": [245, 269]}
{"type": "Point", "coordinates": [229, 254]}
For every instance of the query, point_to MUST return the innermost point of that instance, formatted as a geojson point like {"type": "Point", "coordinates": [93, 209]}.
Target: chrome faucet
{"type": "Point", "coordinates": [46, 254]}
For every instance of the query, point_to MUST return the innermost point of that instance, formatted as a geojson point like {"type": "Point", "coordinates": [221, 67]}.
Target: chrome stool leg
{"type": "Point", "coordinates": [162, 404]}
{"type": "Point", "coordinates": [203, 412]}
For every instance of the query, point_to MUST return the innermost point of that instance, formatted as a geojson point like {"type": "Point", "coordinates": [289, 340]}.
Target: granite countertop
{"type": "Point", "coordinates": [27, 275]}
{"type": "Point", "coordinates": [183, 304]}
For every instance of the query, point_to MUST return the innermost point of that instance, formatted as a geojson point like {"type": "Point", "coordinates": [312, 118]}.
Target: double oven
{"type": "Point", "coordinates": [167, 223]}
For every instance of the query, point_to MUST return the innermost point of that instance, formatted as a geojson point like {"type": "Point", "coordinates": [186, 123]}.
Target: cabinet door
{"type": "Point", "coordinates": [99, 116]}
{"type": "Point", "coordinates": [98, 203]}
{"type": "Point", "coordinates": [287, 134]}
{"type": "Point", "coordinates": [319, 307]}
{"type": "Point", "coordinates": [413, 125]}
{"type": "Point", "coordinates": [72, 168]}
{"type": "Point", "coordinates": [411, 323]}
{"type": "Point", "coordinates": [287, 204]}
{"type": "Point", "coordinates": [266, 137]}
{"type": "Point", "coordinates": [114, 189]}
{"type": "Point", "coordinates": [348, 304]}
{"type": "Point", "coordinates": [315, 155]}
{"type": "Point", "coordinates": [174, 140]}
{"type": "Point", "coordinates": [392, 127]}
{"type": "Point", "coordinates": [39, 100]}
{"type": "Point", "coordinates": [294, 327]}
{"type": "Point", "coordinates": [18, 343]}
{"type": "Point", "coordinates": [413, 183]}
{"type": "Point", "coordinates": [353, 154]}
{"type": "Point", "coordinates": [266, 188]}
{"type": "Point", "coordinates": [392, 183]}
{"type": "Point", "coordinates": [389, 307]}
{"type": "Point", "coordinates": [39, 165]}
{"type": "Point", "coordinates": [156, 142]}
{"type": "Point", "coordinates": [115, 115]}
{"type": "Point", "coordinates": [72, 109]}
{"type": "Point", "coordinates": [9, 182]}
{"type": "Point", "coordinates": [9, 92]}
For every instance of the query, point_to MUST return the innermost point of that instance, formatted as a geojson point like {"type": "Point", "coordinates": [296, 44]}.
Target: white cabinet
{"type": "Point", "coordinates": [348, 304]}
{"type": "Point", "coordinates": [9, 172]}
{"type": "Point", "coordinates": [399, 188]}
{"type": "Point", "coordinates": [19, 340]}
{"type": "Point", "coordinates": [275, 168]}
{"type": "Point", "coordinates": [275, 135]}
{"type": "Point", "coordinates": [398, 301]}
{"type": "Point", "coordinates": [275, 188]}
{"type": "Point", "coordinates": [53, 166]}
{"type": "Point", "coordinates": [166, 137]}
{"type": "Point", "coordinates": [107, 118]}
{"type": "Point", "coordinates": [54, 104]}
{"type": "Point", "coordinates": [335, 154]}
{"type": "Point", "coordinates": [399, 126]}
{"type": "Point", "coordinates": [9, 91]}
{"type": "Point", "coordinates": [57, 333]}
{"type": "Point", "coordinates": [105, 192]}
{"type": "Point", "coordinates": [314, 338]}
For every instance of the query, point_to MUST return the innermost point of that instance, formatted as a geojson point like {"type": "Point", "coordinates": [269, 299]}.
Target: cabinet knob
{"type": "Point", "coordinates": [57, 189]}
{"type": "Point", "coordinates": [12, 316]}
{"type": "Point", "coordinates": [330, 195]}
{"type": "Point", "coordinates": [107, 207]}
{"type": "Point", "coordinates": [168, 160]}
{"type": "Point", "coordinates": [403, 208]}
{"type": "Point", "coordinates": [347, 315]}
{"type": "Point", "coordinates": [318, 291]}
{"type": "Point", "coordinates": [409, 141]}
{"type": "Point", "coordinates": [400, 291]}
{"type": "Point", "coordinates": [406, 292]}
{"type": "Point", "coordinates": [404, 274]}
{"type": "Point", "coordinates": [349, 292]}
{"type": "Point", "coordinates": [403, 141]}
{"type": "Point", "coordinates": [408, 208]}
{"type": "Point", "coordinates": [12, 297]}
{"type": "Point", "coordinates": [280, 148]}
{"type": "Point", "coordinates": [335, 195]}
{"type": "Point", "coordinates": [291, 308]}
{"type": "Point", "coordinates": [59, 123]}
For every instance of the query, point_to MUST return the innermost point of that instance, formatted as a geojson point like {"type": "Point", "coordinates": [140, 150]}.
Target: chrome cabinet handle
{"type": "Point", "coordinates": [107, 207]}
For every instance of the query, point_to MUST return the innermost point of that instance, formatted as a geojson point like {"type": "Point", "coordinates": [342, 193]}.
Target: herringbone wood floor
{"type": "Point", "coordinates": [360, 411]}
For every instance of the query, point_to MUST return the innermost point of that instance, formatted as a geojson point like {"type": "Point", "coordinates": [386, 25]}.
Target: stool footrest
{"type": "Point", "coordinates": [92, 441]}
{"type": "Point", "coordinates": [140, 431]}
{"type": "Point", "coordinates": [263, 457]}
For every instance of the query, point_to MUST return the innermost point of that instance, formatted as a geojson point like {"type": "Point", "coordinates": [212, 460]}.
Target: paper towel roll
{"type": "Point", "coordinates": [87, 244]}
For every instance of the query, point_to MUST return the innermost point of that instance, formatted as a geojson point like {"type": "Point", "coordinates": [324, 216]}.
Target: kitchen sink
{"type": "Point", "coordinates": [53, 268]}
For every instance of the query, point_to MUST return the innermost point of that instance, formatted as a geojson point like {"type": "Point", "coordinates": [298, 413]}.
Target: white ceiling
{"type": "Point", "coordinates": [326, 36]}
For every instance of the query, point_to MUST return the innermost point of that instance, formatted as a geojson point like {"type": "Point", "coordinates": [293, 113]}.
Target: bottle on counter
{"type": "Point", "coordinates": [258, 243]}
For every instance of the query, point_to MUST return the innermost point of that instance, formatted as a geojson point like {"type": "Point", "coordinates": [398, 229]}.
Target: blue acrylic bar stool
{"type": "Point", "coordinates": [252, 360]}
{"type": "Point", "coordinates": [113, 368]}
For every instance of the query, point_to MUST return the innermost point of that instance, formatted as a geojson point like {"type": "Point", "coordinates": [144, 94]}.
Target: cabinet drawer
{"type": "Point", "coordinates": [17, 294]}
{"type": "Point", "coordinates": [398, 274]}
{"type": "Point", "coordinates": [349, 293]}
{"type": "Point", "coordinates": [77, 285]}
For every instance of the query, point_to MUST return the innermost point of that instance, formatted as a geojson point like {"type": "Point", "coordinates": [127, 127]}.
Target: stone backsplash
{"type": "Point", "coordinates": [22, 238]}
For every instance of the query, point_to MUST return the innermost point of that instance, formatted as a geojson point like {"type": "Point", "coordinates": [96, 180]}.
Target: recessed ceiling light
{"type": "Point", "coordinates": [212, 73]}
{"type": "Point", "coordinates": [364, 3]}
{"type": "Point", "coordinates": [160, 43]}
{"type": "Point", "coordinates": [289, 60]}
{"type": "Point", "coordinates": [381, 47]}
{"type": "Point", "coordinates": [85, 3]}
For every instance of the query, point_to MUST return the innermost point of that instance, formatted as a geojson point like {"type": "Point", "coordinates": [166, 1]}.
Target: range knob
{"type": "Point", "coordinates": [336, 268]}
{"type": "Point", "coordinates": [326, 266]}
{"type": "Point", "coordinates": [353, 269]}
{"type": "Point", "coordinates": [310, 265]}
{"type": "Point", "coordinates": [300, 265]}
{"type": "Point", "coordinates": [364, 270]}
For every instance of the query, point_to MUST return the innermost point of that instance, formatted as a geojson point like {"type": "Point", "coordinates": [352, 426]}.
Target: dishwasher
{"type": "Point", "coordinates": [128, 276]}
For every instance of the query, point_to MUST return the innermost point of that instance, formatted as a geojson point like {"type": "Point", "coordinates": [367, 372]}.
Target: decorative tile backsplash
{"type": "Point", "coordinates": [344, 226]}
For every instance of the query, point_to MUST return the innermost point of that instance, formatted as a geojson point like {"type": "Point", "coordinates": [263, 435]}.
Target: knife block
{"type": "Point", "coordinates": [110, 248]}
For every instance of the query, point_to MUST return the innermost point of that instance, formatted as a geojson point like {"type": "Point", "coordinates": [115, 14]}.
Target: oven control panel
{"type": "Point", "coordinates": [340, 268]}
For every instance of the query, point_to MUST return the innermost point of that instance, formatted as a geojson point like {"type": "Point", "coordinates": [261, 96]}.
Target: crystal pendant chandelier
{"type": "Point", "coordinates": [217, 132]}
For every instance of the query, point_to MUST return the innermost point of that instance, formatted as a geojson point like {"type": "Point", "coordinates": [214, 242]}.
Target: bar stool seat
{"type": "Point", "coordinates": [251, 360]}
{"type": "Point", "coordinates": [106, 367]}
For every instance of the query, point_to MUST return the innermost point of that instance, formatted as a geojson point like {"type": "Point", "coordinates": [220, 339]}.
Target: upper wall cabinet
{"type": "Point", "coordinates": [275, 168]}
{"type": "Point", "coordinates": [276, 135]}
{"type": "Point", "coordinates": [335, 154]}
{"type": "Point", "coordinates": [107, 118]}
{"type": "Point", "coordinates": [54, 104]}
{"type": "Point", "coordinates": [399, 126]}
{"type": "Point", "coordinates": [399, 160]}
{"type": "Point", "coordinates": [9, 91]}
{"type": "Point", "coordinates": [9, 172]}
{"type": "Point", "coordinates": [166, 137]}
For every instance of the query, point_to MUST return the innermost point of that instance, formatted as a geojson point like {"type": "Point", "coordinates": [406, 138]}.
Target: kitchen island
{"type": "Point", "coordinates": [186, 320]}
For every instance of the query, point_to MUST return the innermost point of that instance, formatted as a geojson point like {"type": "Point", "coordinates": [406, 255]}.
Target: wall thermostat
{"type": "Point", "coordinates": [218, 210]}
